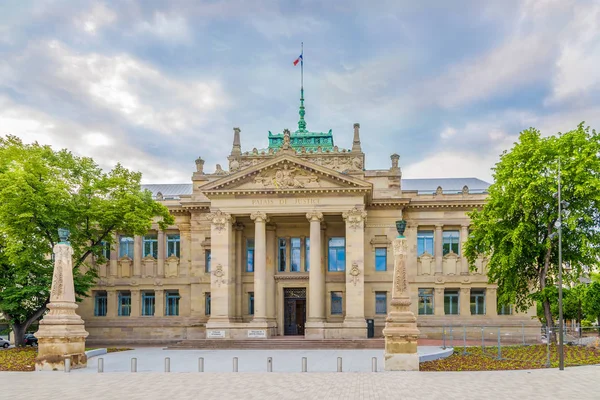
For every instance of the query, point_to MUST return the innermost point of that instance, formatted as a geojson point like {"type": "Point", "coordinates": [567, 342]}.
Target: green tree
{"type": "Point", "coordinates": [591, 302]}
{"type": "Point", "coordinates": [516, 228]}
{"type": "Point", "coordinates": [42, 190]}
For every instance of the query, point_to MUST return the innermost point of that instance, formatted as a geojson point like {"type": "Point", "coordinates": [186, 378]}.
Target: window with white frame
{"type": "Point", "coordinates": [450, 242]}
{"type": "Point", "coordinates": [426, 301]}
{"type": "Point", "coordinates": [425, 243]}
{"type": "Point", "coordinates": [126, 246]}
{"type": "Point", "coordinates": [174, 245]}
{"type": "Point", "coordinates": [477, 301]}
{"type": "Point", "coordinates": [150, 246]}
{"type": "Point", "coordinates": [380, 302]}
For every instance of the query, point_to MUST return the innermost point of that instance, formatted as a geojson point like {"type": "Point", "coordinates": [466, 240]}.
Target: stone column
{"type": "Point", "coordinates": [465, 301]}
{"type": "Point", "coordinates": [491, 302]}
{"type": "Point", "coordinates": [400, 330]}
{"type": "Point", "coordinates": [61, 332]}
{"type": "Point", "coordinates": [223, 274]}
{"type": "Point", "coordinates": [159, 303]}
{"type": "Point", "coordinates": [260, 267]}
{"type": "Point", "coordinates": [355, 325]}
{"type": "Point", "coordinates": [239, 265]}
{"type": "Point", "coordinates": [136, 306]}
{"type": "Point", "coordinates": [438, 301]}
{"type": "Point", "coordinates": [111, 303]}
{"type": "Point", "coordinates": [271, 257]}
{"type": "Point", "coordinates": [114, 256]}
{"type": "Point", "coordinates": [315, 327]}
{"type": "Point", "coordinates": [137, 255]}
{"type": "Point", "coordinates": [439, 250]}
{"type": "Point", "coordinates": [185, 260]}
{"type": "Point", "coordinates": [464, 235]}
{"type": "Point", "coordinates": [160, 254]}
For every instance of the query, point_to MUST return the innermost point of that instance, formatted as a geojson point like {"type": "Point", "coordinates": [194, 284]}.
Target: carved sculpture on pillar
{"type": "Point", "coordinates": [400, 330]}
{"type": "Point", "coordinates": [62, 332]}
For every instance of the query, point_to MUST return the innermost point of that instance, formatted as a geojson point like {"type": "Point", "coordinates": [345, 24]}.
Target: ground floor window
{"type": "Point", "coordinates": [505, 309]}
{"type": "Point", "coordinates": [477, 301]}
{"type": "Point", "coordinates": [172, 303]}
{"type": "Point", "coordinates": [207, 303]}
{"type": "Point", "coordinates": [451, 301]}
{"type": "Point", "coordinates": [380, 302]}
{"type": "Point", "coordinates": [206, 260]}
{"type": "Point", "coordinates": [148, 303]}
{"type": "Point", "coordinates": [425, 301]}
{"type": "Point", "coordinates": [100, 304]}
{"type": "Point", "coordinates": [124, 309]}
{"type": "Point", "coordinates": [336, 303]}
{"type": "Point", "coordinates": [251, 303]}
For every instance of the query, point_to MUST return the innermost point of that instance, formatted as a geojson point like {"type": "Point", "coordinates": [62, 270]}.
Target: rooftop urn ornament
{"type": "Point", "coordinates": [401, 227]}
{"type": "Point", "coordinates": [63, 235]}
{"type": "Point", "coordinates": [200, 165]}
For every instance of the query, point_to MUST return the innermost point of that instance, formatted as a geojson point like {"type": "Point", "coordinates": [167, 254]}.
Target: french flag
{"type": "Point", "coordinates": [298, 60]}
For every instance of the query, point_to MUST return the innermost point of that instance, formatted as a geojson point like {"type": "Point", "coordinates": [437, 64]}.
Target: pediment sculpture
{"type": "Point", "coordinates": [286, 177]}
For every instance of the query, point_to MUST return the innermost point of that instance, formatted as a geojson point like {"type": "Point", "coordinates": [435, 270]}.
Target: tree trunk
{"type": "Point", "coordinates": [20, 328]}
{"type": "Point", "coordinates": [549, 321]}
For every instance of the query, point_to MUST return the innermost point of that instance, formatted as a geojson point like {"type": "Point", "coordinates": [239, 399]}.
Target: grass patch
{"type": "Point", "coordinates": [513, 357]}
{"type": "Point", "coordinates": [18, 359]}
{"type": "Point", "coordinates": [117, 349]}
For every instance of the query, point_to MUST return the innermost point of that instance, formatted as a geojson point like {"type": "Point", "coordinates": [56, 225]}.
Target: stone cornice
{"type": "Point", "coordinates": [297, 276]}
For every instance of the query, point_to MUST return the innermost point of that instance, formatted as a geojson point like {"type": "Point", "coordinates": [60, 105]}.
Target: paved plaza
{"type": "Point", "coordinates": [574, 383]}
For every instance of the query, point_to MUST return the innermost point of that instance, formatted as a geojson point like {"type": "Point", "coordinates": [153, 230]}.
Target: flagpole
{"type": "Point", "coordinates": [302, 66]}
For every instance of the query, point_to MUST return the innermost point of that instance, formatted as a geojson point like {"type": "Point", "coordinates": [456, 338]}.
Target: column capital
{"type": "Point", "coordinates": [219, 219]}
{"type": "Point", "coordinates": [355, 217]}
{"type": "Point", "coordinates": [259, 216]}
{"type": "Point", "coordinates": [439, 226]}
{"type": "Point", "coordinates": [238, 226]}
{"type": "Point", "coordinates": [271, 227]}
{"type": "Point", "coordinates": [465, 225]}
{"type": "Point", "coordinates": [314, 216]}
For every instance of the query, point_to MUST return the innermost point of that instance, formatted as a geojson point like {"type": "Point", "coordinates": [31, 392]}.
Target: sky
{"type": "Point", "coordinates": [155, 84]}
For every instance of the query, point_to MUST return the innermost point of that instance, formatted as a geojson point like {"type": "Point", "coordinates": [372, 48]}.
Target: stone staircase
{"type": "Point", "coordinates": [279, 343]}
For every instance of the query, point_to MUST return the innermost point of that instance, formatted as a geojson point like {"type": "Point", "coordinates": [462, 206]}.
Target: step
{"type": "Point", "coordinates": [279, 344]}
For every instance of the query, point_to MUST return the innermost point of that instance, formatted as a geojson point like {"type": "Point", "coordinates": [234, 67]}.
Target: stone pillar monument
{"type": "Point", "coordinates": [62, 333]}
{"type": "Point", "coordinates": [400, 330]}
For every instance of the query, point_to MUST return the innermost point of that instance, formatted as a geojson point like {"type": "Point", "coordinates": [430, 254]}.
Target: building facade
{"type": "Point", "coordinates": [294, 240]}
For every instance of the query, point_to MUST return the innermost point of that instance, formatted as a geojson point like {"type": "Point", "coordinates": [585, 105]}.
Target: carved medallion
{"type": "Point", "coordinates": [219, 274]}
{"type": "Point", "coordinates": [354, 273]}
{"type": "Point", "coordinates": [355, 218]}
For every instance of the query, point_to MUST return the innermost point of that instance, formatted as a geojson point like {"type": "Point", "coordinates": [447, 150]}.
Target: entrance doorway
{"type": "Point", "coordinates": [294, 316]}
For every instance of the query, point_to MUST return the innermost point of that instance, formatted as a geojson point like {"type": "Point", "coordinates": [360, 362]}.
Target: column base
{"type": "Point", "coordinates": [354, 328]}
{"type": "Point", "coordinates": [401, 362]}
{"type": "Point", "coordinates": [314, 330]}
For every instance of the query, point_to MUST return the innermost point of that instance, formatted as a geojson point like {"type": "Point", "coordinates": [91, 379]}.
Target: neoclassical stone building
{"type": "Point", "coordinates": [294, 240]}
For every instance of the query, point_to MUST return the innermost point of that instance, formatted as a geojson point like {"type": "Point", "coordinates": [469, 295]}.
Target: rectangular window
{"type": "Point", "coordinates": [295, 250]}
{"type": "Point", "coordinates": [337, 254]}
{"type": "Point", "coordinates": [174, 245]}
{"type": "Point", "coordinates": [172, 302]}
{"type": "Point", "coordinates": [450, 242]}
{"type": "Point", "coordinates": [336, 303]}
{"type": "Point", "coordinates": [282, 254]}
{"type": "Point", "coordinates": [150, 246]}
{"type": "Point", "coordinates": [124, 309]}
{"type": "Point", "coordinates": [207, 260]}
{"type": "Point", "coordinates": [100, 304]}
{"type": "Point", "coordinates": [251, 303]}
{"type": "Point", "coordinates": [424, 243]}
{"type": "Point", "coordinates": [505, 309]}
{"type": "Point", "coordinates": [380, 302]}
{"type": "Point", "coordinates": [249, 255]}
{"type": "Point", "coordinates": [477, 301]}
{"type": "Point", "coordinates": [451, 301]}
{"type": "Point", "coordinates": [425, 301]}
{"type": "Point", "coordinates": [307, 254]}
{"type": "Point", "coordinates": [148, 303]}
{"type": "Point", "coordinates": [126, 246]}
{"type": "Point", "coordinates": [380, 259]}
{"type": "Point", "coordinates": [105, 250]}
{"type": "Point", "coordinates": [207, 303]}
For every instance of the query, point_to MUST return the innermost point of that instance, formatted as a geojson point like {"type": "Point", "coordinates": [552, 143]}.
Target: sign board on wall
{"type": "Point", "coordinates": [257, 333]}
{"type": "Point", "coordinates": [215, 334]}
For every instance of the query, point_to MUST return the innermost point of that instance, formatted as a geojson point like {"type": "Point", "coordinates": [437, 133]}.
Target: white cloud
{"type": "Point", "coordinates": [452, 165]}
{"type": "Point", "coordinates": [169, 28]}
{"type": "Point", "coordinates": [97, 17]}
{"type": "Point", "coordinates": [447, 133]}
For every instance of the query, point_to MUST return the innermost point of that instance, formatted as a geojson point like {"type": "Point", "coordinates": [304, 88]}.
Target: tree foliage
{"type": "Point", "coordinates": [591, 302]}
{"type": "Point", "coordinates": [42, 190]}
{"type": "Point", "coordinates": [516, 228]}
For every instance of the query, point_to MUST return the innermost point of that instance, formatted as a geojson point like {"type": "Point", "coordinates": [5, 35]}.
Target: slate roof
{"type": "Point", "coordinates": [422, 186]}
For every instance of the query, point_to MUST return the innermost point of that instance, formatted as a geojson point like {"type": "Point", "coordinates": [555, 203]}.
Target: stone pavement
{"type": "Point", "coordinates": [574, 383]}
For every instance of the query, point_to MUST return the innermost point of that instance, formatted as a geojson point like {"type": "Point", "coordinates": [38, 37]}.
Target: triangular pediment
{"type": "Point", "coordinates": [286, 173]}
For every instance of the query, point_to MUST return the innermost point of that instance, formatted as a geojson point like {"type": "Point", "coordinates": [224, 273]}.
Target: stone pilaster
{"type": "Point", "coordinates": [438, 250]}
{"type": "Point", "coordinates": [260, 266]}
{"type": "Point", "coordinates": [491, 302]}
{"type": "Point", "coordinates": [438, 301]}
{"type": "Point", "coordinates": [185, 259]}
{"type": "Point", "coordinates": [355, 325]}
{"type": "Point", "coordinates": [136, 306]}
{"type": "Point", "coordinates": [137, 256]}
{"type": "Point", "coordinates": [239, 248]}
{"type": "Point", "coordinates": [114, 256]}
{"type": "Point", "coordinates": [400, 330]}
{"type": "Point", "coordinates": [271, 257]}
{"type": "Point", "coordinates": [315, 327]}
{"type": "Point", "coordinates": [111, 303]}
{"type": "Point", "coordinates": [61, 332]}
{"type": "Point", "coordinates": [159, 303]}
{"type": "Point", "coordinates": [464, 235]}
{"type": "Point", "coordinates": [465, 301]}
{"type": "Point", "coordinates": [222, 273]}
{"type": "Point", "coordinates": [160, 254]}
